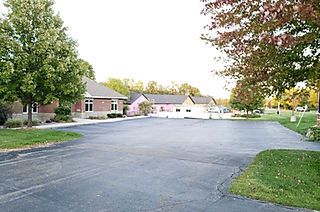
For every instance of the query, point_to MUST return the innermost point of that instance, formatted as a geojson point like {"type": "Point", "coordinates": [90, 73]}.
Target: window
{"type": "Point", "coordinates": [178, 110]}
{"type": "Point", "coordinates": [188, 111]}
{"type": "Point", "coordinates": [114, 105]}
{"type": "Point", "coordinates": [34, 108]}
{"type": "Point", "coordinates": [89, 105]}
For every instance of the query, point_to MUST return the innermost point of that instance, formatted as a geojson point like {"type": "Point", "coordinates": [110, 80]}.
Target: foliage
{"type": "Point", "coordinates": [39, 61]}
{"type": "Point", "coordinates": [134, 86]}
{"type": "Point", "coordinates": [11, 139]}
{"type": "Point", "coordinates": [313, 134]}
{"type": "Point", "coordinates": [63, 110]}
{"type": "Point", "coordinates": [35, 122]}
{"type": "Point", "coordinates": [293, 98]}
{"type": "Point", "coordinates": [248, 116]}
{"type": "Point", "coordinates": [153, 88]}
{"type": "Point", "coordinates": [89, 69]}
{"type": "Point", "coordinates": [186, 89]}
{"type": "Point", "coordinates": [117, 85]}
{"type": "Point", "coordinates": [273, 44]}
{"type": "Point", "coordinates": [246, 97]}
{"type": "Point", "coordinates": [62, 118]}
{"type": "Point", "coordinates": [98, 117]}
{"type": "Point", "coordinates": [115, 115]}
{"type": "Point", "coordinates": [5, 111]}
{"type": "Point", "coordinates": [313, 99]}
{"type": "Point", "coordinates": [13, 123]}
{"type": "Point", "coordinates": [223, 102]}
{"type": "Point", "coordinates": [16, 123]}
{"type": "Point", "coordinates": [125, 86]}
{"type": "Point", "coordinates": [272, 102]}
{"type": "Point", "coordinates": [145, 107]}
{"type": "Point", "coordinates": [125, 109]}
{"type": "Point", "coordinates": [63, 114]}
{"type": "Point", "coordinates": [288, 177]}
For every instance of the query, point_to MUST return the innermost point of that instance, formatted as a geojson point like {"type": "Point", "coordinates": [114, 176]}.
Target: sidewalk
{"type": "Point", "coordinates": [80, 122]}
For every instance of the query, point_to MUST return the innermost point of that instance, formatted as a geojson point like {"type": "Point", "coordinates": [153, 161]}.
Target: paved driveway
{"type": "Point", "coordinates": [142, 165]}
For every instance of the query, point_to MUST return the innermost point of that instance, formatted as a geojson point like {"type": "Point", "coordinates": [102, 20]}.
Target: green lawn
{"type": "Point", "coordinates": [287, 177]}
{"type": "Point", "coordinates": [309, 119]}
{"type": "Point", "coordinates": [11, 139]}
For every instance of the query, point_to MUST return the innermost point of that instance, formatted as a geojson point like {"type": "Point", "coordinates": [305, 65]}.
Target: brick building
{"type": "Point", "coordinates": [98, 101]}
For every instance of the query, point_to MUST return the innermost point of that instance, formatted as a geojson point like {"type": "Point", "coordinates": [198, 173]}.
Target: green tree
{"type": "Point", "coordinates": [138, 86]}
{"type": "Point", "coordinates": [186, 89]}
{"type": "Point", "coordinates": [313, 98]}
{"type": "Point", "coordinates": [294, 97]}
{"type": "Point", "coordinates": [117, 85]}
{"type": "Point", "coordinates": [145, 107]}
{"type": "Point", "coordinates": [173, 88]}
{"type": "Point", "coordinates": [246, 97]}
{"type": "Point", "coordinates": [134, 86]}
{"type": "Point", "coordinates": [89, 69]}
{"type": "Point", "coordinates": [38, 61]}
{"type": "Point", "coordinates": [152, 88]}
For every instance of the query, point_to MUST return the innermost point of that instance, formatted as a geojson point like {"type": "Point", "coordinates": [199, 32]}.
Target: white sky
{"type": "Point", "coordinates": [144, 40]}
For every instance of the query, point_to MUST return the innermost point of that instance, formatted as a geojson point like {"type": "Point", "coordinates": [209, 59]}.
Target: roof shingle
{"type": "Point", "coordinates": [166, 99]}
{"type": "Point", "coordinates": [96, 90]}
{"type": "Point", "coordinates": [202, 99]}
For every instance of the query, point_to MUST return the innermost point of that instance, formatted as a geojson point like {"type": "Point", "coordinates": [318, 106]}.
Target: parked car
{"type": "Point", "coordinates": [302, 109]}
{"type": "Point", "coordinates": [260, 112]}
{"type": "Point", "coordinates": [226, 110]}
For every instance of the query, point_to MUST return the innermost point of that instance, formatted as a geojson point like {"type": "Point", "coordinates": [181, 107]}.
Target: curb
{"type": "Point", "coordinates": [75, 124]}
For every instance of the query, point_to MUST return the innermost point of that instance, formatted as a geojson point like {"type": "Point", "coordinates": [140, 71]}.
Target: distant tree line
{"type": "Point", "coordinates": [125, 86]}
{"type": "Point", "coordinates": [295, 97]}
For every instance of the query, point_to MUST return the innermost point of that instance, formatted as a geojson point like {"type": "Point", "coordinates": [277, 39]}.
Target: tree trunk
{"type": "Point", "coordinates": [30, 113]}
{"type": "Point", "coordinates": [247, 113]}
{"type": "Point", "coordinates": [293, 117]}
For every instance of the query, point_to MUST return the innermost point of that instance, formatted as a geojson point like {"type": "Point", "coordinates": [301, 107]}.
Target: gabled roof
{"type": "Point", "coordinates": [202, 99]}
{"type": "Point", "coordinates": [166, 99]}
{"type": "Point", "coordinates": [134, 96]}
{"type": "Point", "coordinates": [96, 90]}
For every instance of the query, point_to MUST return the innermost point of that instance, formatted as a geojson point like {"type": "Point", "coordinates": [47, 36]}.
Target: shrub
{"type": "Point", "coordinates": [115, 115]}
{"type": "Point", "coordinates": [63, 113]}
{"type": "Point", "coordinates": [63, 110]}
{"type": "Point", "coordinates": [313, 134]}
{"type": "Point", "coordinates": [5, 111]}
{"type": "Point", "coordinates": [62, 118]}
{"type": "Point", "coordinates": [98, 117]}
{"type": "Point", "coordinates": [35, 122]}
{"type": "Point", "coordinates": [250, 116]}
{"type": "Point", "coordinates": [145, 107]}
{"type": "Point", "coordinates": [13, 123]}
{"type": "Point", "coordinates": [125, 109]}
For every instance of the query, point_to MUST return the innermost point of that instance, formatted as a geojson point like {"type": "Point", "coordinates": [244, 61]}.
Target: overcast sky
{"type": "Point", "coordinates": [144, 40]}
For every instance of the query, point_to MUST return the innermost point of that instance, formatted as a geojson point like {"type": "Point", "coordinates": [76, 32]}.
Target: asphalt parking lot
{"type": "Point", "coordinates": [143, 165]}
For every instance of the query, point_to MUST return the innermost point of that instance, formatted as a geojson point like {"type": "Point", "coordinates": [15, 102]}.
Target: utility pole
{"type": "Point", "coordinates": [318, 115]}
